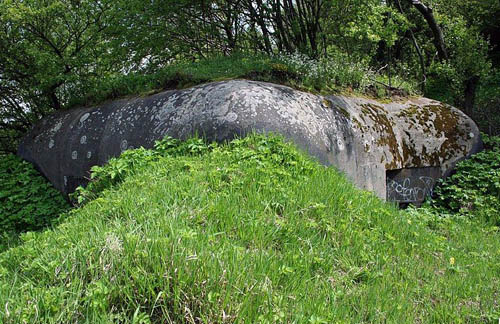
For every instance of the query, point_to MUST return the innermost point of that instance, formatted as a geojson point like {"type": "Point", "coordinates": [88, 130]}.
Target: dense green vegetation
{"type": "Point", "coordinates": [251, 231]}
{"type": "Point", "coordinates": [28, 201]}
{"type": "Point", "coordinates": [55, 54]}
{"type": "Point", "coordinates": [474, 188]}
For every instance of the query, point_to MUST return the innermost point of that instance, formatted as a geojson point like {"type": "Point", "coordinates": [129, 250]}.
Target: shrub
{"type": "Point", "coordinates": [486, 113]}
{"type": "Point", "coordinates": [27, 200]}
{"type": "Point", "coordinates": [474, 189]}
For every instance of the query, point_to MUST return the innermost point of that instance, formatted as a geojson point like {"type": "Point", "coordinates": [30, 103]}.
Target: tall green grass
{"type": "Point", "coordinates": [249, 232]}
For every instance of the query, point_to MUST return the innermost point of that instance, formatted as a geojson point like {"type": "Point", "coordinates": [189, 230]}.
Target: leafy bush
{"type": "Point", "coordinates": [487, 116]}
{"type": "Point", "coordinates": [27, 201]}
{"type": "Point", "coordinates": [491, 143]}
{"type": "Point", "coordinates": [474, 189]}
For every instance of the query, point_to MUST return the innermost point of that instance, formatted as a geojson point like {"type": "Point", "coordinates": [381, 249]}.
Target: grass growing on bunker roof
{"type": "Point", "coordinates": [248, 232]}
{"type": "Point", "coordinates": [337, 74]}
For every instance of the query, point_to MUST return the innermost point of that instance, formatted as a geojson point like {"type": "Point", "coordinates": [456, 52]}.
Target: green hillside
{"type": "Point", "coordinates": [248, 232]}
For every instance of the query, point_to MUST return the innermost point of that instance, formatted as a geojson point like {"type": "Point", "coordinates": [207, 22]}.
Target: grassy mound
{"type": "Point", "coordinates": [250, 232]}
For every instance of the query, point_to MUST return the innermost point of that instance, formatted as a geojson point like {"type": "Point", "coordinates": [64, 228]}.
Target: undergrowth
{"type": "Point", "coordinates": [474, 188]}
{"type": "Point", "coordinates": [28, 201]}
{"type": "Point", "coordinates": [250, 232]}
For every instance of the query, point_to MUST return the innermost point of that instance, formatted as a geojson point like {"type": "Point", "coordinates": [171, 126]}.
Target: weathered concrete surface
{"type": "Point", "coordinates": [361, 137]}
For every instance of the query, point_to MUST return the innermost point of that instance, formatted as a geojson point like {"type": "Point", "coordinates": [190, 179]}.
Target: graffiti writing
{"type": "Point", "coordinates": [411, 185]}
{"type": "Point", "coordinates": [410, 189]}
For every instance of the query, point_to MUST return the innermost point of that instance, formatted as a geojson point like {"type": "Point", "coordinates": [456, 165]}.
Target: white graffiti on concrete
{"type": "Point", "coordinates": [408, 190]}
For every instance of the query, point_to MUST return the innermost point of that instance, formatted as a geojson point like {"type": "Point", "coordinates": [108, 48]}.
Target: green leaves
{"type": "Point", "coordinates": [474, 189]}
{"type": "Point", "coordinates": [52, 52]}
{"type": "Point", "coordinates": [27, 201]}
{"type": "Point", "coordinates": [267, 152]}
{"type": "Point", "coordinates": [375, 22]}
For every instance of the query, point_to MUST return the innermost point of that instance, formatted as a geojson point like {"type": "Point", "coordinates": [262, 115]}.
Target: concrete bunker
{"type": "Point", "coordinates": [375, 144]}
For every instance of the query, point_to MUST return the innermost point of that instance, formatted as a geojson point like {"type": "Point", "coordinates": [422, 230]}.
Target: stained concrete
{"type": "Point", "coordinates": [361, 137]}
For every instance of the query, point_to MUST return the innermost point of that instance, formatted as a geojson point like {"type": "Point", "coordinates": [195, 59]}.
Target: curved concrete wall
{"type": "Point", "coordinates": [362, 137]}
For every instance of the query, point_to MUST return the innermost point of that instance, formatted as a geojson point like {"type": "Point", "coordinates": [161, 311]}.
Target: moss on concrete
{"type": "Point", "coordinates": [383, 125]}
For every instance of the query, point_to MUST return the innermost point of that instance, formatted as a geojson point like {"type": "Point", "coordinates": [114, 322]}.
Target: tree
{"type": "Point", "coordinates": [428, 13]}
{"type": "Point", "coordinates": [57, 53]}
{"type": "Point", "coordinates": [462, 58]}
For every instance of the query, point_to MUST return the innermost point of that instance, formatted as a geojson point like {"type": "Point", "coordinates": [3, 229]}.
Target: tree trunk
{"type": "Point", "coordinates": [258, 17]}
{"type": "Point", "coordinates": [52, 96]}
{"type": "Point", "coordinates": [470, 94]}
{"type": "Point", "coordinates": [428, 14]}
{"type": "Point", "coordinates": [417, 48]}
{"type": "Point", "coordinates": [281, 31]}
